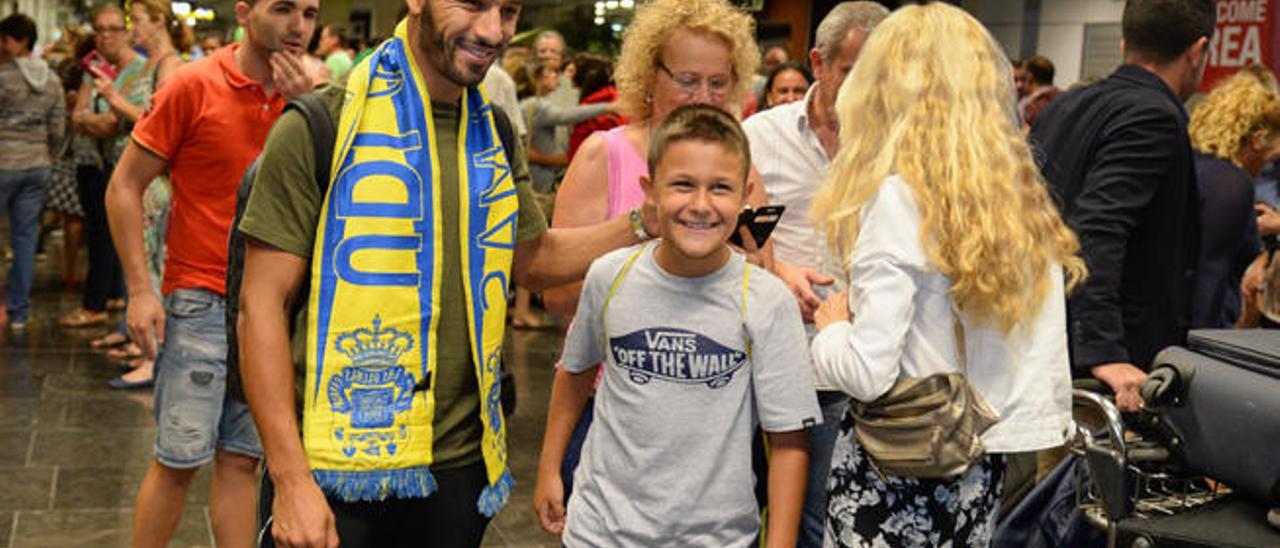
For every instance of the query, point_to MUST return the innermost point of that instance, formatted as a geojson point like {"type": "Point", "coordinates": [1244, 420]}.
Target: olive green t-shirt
{"type": "Point", "coordinates": [283, 211]}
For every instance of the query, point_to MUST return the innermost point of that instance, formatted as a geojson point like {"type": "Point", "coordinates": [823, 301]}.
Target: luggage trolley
{"type": "Point", "coordinates": [1212, 412]}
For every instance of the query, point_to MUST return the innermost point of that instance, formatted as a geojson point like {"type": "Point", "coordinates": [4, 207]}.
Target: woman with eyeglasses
{"type": "Point", "coordinates": [112, 61]}
{"type": "Point", "coordinates": [675, 52]}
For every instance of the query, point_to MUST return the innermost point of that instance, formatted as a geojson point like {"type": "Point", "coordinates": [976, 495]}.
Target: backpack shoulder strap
{"type": "Point", "coordinates": [312, 107]}
{"type": "Point", "coordinates": [505, 131]}
{"type": "Point", "coordinates": [613, 287]}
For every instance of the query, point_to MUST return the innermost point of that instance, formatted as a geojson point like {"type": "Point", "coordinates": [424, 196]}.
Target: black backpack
{"type": "Point", "coordinates": [323, 134]}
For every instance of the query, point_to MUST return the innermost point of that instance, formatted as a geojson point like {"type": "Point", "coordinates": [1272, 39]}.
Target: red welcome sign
{"type": "Point", "coordinates": [1245, 35]}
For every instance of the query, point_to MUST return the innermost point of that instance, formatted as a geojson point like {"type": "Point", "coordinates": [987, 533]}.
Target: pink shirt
{"type": "Point", "coordinates": [624, 167]}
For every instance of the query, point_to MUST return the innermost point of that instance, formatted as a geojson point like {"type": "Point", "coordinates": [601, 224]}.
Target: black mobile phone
{"type": "Point", "coordinates": [759, 222]}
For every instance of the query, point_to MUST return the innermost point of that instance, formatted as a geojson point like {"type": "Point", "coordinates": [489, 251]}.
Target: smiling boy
{"type": "Point", "coordinates": [702, 349]}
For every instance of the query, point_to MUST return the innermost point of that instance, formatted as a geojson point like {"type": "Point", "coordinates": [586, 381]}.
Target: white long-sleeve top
{"type": "Point", "coordinates": [903, 327]}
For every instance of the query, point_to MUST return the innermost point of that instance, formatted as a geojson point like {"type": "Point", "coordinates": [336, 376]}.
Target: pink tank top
{"type": "Point", "coordinates": [624, 167]}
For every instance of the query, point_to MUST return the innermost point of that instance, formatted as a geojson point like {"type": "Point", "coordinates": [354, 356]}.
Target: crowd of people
{"type": "Point", "coordinates": [958, 231]}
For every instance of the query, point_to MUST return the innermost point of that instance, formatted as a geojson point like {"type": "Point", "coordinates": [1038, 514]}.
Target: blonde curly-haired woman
{"type": "Point", "coordinates": [675, 52]}
{"type": "Point", "coordinates": [1235, 131]}
{"type": "Point", "coordinates": [939, 214]}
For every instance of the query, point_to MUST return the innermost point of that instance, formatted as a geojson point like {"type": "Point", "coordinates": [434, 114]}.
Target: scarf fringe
{"type": "Point", "coordinates": [375, 485]}
{"type": "Point", "coordinates": [495, 496]}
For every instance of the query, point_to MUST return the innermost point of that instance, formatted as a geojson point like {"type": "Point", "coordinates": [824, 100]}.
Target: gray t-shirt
{"type": "Point", "coordinates": [667, 461]}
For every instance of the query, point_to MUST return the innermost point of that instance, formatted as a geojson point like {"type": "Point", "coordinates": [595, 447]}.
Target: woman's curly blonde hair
{"type": "Point", "coordinates": [655, 22]}
{"type": "Point", "coordinates": [1236, 108]}
{"type": "Point", "coordinates": [931, 100]}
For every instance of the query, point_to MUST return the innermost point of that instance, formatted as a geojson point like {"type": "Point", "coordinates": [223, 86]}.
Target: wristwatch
{"type": "Point", "coordinates": [637, 225]}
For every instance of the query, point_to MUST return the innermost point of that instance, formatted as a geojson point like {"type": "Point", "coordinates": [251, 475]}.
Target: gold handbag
{"type": "Point", "coordinates": [926, 427]}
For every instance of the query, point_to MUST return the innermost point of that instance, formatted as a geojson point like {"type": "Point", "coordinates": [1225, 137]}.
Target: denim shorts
{"type": "Point", "coordinates": [194, 416]}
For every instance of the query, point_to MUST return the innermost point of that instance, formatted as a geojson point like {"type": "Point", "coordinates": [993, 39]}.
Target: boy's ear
{"type": "Point", "coordinates": [753, 180]}
{"type": "Point", "coordinates": [646, 184]}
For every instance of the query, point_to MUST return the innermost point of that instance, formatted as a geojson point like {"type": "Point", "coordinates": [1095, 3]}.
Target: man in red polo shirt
{"type": "Point", "coordinates": [207, 125]}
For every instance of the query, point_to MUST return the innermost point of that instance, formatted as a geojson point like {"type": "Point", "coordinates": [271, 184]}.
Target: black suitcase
{"type": "Point", "coordinates": [1222, 403]}
{"type": "Point", "coordinates": [1230, 522]}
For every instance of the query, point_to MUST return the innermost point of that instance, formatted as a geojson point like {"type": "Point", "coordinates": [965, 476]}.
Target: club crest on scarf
{"type": "Point", "coordinates": [372, 390]}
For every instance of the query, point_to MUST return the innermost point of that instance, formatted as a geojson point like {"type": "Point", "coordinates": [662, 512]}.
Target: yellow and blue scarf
{"type": "Point", "coordinates": [375, 292]}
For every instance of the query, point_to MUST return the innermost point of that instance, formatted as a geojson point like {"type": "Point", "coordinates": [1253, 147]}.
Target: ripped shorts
{"type": "Point", "coordinates": [194, 416]}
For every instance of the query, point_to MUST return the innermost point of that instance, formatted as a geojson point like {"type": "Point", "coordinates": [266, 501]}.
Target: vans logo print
{"type": "Point", "coordinates": [675, 355]}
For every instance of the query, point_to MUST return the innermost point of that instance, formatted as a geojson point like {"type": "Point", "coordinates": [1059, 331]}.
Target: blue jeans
{"type": "Point", "coordinates": [22, 195]}
{"type": "Point", "coordinates": [194, 416]}
{"type": "Point", "coordinates": [822, 440]}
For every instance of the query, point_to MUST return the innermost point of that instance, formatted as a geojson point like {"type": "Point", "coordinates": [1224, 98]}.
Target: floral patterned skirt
{"type": "Point", "coordinates": [866, 509]}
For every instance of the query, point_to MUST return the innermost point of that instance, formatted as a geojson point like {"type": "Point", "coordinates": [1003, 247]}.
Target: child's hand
{"type": "Point", "coordinates": [548, 502]}
{"type": "Point", "coordinates": [834, 309]}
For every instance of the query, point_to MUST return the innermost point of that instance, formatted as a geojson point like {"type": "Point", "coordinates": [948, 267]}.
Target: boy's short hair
{"type": "Point", "coordinates": [1160, 30]}
{"type": "Point", "coordinates": [703, 123]}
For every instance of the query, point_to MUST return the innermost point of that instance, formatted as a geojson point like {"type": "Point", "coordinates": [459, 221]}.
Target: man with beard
{"type": "Point", "coordinates": [406, 259]}
{"type": "Point", "coordinates": [207, 124]}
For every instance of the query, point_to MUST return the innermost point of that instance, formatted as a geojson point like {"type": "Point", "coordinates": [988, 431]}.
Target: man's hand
{"type": "Point", "coordinates": [801, 282]}
{"type": "Point", "coordinates": [145, 317]}
{"type": "Point", "coordinates": [1123, 378]}
{"type": "Point", "coordinates": [289, 74]}
{"type": "Point", "coordinates": [1268, 220]}
{"type": "Point", "coordinates": [548, 502]}
{"type": "Point", "coordinates": [300, 516]}
{"type": "Point", "coordinates": [834, 309]}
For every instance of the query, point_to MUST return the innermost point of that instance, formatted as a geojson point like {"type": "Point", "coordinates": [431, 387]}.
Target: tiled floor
{"type": "Point", "coordinates": [73, 451]}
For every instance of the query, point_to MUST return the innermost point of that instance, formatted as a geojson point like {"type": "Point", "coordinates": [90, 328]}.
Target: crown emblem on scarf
{"type": "Point", "coordinates": [377, 347]}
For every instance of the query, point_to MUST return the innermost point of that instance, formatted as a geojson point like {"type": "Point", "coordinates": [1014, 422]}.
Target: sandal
{"type": "Point", "coordinates": [128, 352]}
{"type": "Point", "coordinates": [110, 340]}
{"type": "Point", "coordinates": [83, 318]}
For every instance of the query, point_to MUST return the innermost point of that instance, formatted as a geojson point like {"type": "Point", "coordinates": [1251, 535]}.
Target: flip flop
{"type": "Point", "coordinates": [110, 340]}
{"type": "Point", "coordinates": [128, 352]}
{"type": "Point", "coordinates": [83, 318]}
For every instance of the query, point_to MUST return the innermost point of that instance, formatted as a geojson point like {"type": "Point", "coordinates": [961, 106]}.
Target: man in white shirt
{"type": "Point", "coordinates": [791, 146]}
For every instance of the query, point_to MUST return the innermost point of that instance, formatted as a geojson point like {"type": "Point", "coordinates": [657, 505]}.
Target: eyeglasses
{"type": "Point", "coordinates": [690, 83]}
{"type": "Point", "coordinates": [108, 30]}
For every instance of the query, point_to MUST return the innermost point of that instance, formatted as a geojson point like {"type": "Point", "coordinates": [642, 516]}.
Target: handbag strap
{"type": "Point", "coordinates": [961, 349]}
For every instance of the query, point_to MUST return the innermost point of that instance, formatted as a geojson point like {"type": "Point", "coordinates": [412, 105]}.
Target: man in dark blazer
{"type": "Point", "coordinates": [1118, 159]}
